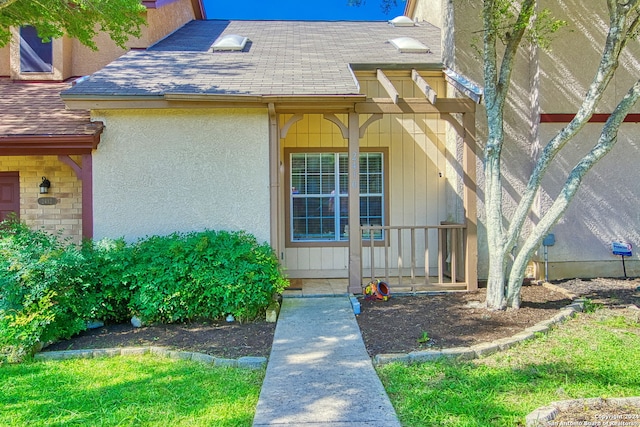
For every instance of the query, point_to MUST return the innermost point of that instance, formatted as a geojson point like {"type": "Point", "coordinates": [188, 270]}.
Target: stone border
{"type": "Point", "coordinates": [487, 348]}
{"type": "Point", "coordinates": [543, 416]}
{"type": "Point", "coordinates": [247, 362]}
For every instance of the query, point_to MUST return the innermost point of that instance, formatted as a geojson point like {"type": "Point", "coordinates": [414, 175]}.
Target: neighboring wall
{"type": "Point", "coordinates": [161, 171]}
{"type": "Point", "coordinates": [72, 59]}
{"type": "Point", "coordinates": [165, 20]}
{"type": "Point", "coordinates": [161, 22]}
{"type": "Point", "coordinates": [554, 82]}
{"type": "Point", "coordinates": [5, 63]}
{"type": "Point", "coordinates": [430, 11]}
{"type": "Point", "coordinates": [414, 145]}
{"type": "Point", "coordinates": [65, 217]}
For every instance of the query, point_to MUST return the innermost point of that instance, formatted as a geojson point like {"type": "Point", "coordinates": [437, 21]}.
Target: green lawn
{"type": "Point", "coordinates": [127, 391]}
{"type": "Point", "coordinates": [593, 355]}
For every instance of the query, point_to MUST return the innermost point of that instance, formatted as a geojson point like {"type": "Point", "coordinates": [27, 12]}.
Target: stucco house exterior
{"type": "Point", "coordinates": [353, 148]}
{"type": "Point", "coordinates": [275, 129]}
{"type": "Point", "coordinates": [41, 139]}
{"type": "Point", "coordinates": [325, 139]}
{"type": "Point", "coordinates": [548, 89]}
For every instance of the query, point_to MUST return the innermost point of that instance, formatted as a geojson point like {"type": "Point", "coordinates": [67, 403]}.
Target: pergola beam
{"type": "Point", "coordinates": [388, 86]}
{"type": "Point", "coordinates": [424, 87]}
{"type": "Point", "coordinates": [415, 106]}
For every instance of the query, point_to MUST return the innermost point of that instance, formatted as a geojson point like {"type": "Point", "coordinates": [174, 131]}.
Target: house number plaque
{"type": "Point", "coordinates": [47, 200]}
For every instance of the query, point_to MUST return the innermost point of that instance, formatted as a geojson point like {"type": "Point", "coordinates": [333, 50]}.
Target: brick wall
{"type": "Point", "coordinates": [65, 217]}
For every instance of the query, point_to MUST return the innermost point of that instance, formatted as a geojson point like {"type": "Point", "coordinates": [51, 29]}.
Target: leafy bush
{"type": "Point", "coordinates": [49, 289]}
{"type": "Point", "coordinates": [107, 268]}
{"type": "Point", "coordinates": [203, 275]}
{"type": "Point", "coordinates": [36, 273]}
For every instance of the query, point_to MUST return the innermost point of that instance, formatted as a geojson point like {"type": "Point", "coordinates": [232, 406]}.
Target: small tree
{"type": "Point", "coordinates": [510, 23]}
{"type": "Point", "coordinates": [79, 19]}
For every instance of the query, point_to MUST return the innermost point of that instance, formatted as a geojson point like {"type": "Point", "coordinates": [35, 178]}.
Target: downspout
{"type": "Point", "coordinates": [470, 199]}
{"type": "Point", "coordinates": [274, 180]}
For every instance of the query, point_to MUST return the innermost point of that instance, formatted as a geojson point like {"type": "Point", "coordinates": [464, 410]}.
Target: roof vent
{"type": "Point", "coordinates": [409, 45]}
{"type": "Point", "coordinates": [402, 21]}
{"type": "Point", "coordinates": [230, 42]}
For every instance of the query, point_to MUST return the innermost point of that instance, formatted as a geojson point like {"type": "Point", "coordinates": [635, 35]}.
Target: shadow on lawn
{"type": "Point", "coordinates": [447, 394]}
{"type": "Point", "coordinates": [135, 391]}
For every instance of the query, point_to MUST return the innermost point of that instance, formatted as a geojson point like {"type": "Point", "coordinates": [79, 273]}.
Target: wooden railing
{"type": "Point", "coordinates": [407, 253]}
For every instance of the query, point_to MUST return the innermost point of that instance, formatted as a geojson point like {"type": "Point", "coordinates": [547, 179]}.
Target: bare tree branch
{"type": "Point", "coordinates": [616, 39]}
{"type": "Point", "coordinates": [607, 140]}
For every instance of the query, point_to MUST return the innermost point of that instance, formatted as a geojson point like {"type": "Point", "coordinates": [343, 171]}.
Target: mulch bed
{"type": "Point", "coordinates": [220, 339]}
{"type": "Point", "coordinates": [449, 320]}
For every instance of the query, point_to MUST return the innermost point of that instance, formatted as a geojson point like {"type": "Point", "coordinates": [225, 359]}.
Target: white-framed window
{"type": "Point", "coordinates": [319, 198]}
{"type": "Point", "coordinates": [36, 55]}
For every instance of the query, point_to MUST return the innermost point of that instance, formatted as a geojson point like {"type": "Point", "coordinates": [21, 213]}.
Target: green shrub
{"type": "Point", "coordinates": [204, 275]}
{"type": "Point", "coordinates": [108, 266]}
{"type": "Point", "coordinates": [49, 288]}
{"type": "Point", "coordinates": [36, 274]}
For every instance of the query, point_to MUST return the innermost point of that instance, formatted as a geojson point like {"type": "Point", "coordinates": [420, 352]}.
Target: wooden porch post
{"type": "Point", "coordinates": [469, 162]}
{"type": "Point", "coordinates": [87, 196]}
{"type": "Point", "coordinates": [355, 265]}
{"type": "Point", "coordinates": [84, 174]}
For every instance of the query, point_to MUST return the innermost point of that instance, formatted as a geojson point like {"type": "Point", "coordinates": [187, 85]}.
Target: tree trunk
{"type": "Point", "coordinates": [496, 282]}
{"type": "Point", "coordinates": [495, 233]}
{"type": "Point", "coordinates": [497, 79]}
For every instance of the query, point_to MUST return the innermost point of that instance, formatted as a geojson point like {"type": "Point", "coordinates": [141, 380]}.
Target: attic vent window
{"type": "Point", "coordinates": [409, 45]}
{"type": "Point", "coordinates": [402, 21]}
{"type": "Point", "coordinates": [230, 42]}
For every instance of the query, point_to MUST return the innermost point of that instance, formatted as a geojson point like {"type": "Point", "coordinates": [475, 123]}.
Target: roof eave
{"type": "Point", "coordinates": [98, 102]}
{"type": "Point", "coordinates": [435, 66]}
{"type": "Point", "coordinates": [202, 100]}
{"type": "Point", "coordinates": [48, 145]}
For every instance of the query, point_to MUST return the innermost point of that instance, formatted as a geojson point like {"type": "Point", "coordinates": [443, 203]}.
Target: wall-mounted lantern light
{"type": "Point", "coordinates": [44, 185]}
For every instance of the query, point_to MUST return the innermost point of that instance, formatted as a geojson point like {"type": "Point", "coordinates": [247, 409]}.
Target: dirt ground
{"type": "Point", "coordinates": [220, 339]}
{"type": "Point", "coordinates": [401, 324]}
{"type": "Point", "coordinates": [404, 324]}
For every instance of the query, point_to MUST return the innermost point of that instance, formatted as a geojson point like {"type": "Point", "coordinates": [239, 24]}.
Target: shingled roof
{"type": "Point", "coordinates": [33, 117]}
{"type": "Point", "coordinates": [281, 58]}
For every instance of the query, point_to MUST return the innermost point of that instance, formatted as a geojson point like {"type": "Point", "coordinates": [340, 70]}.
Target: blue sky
{"type": "Point", "coordinates": [322, 10]}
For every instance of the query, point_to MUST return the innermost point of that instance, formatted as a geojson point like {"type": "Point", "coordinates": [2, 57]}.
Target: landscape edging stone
{"type": "Point", "coordinates": [486, 348]}
{"type": "Point", "coordinates": [242, 362]}
{"type": "Point", "coordinates": [542, 416]}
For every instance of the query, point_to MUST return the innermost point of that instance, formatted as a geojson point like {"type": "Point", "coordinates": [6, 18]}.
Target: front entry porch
{"type": "Point", "coordinates": [376, 187]}
{"type": "Point", "coordinates": [315, 288]}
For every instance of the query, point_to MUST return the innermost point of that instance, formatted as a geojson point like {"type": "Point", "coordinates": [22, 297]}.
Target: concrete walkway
{"type": "Point", "coordinates": [319, 372]}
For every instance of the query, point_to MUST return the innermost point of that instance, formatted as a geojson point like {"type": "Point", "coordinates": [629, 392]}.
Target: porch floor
{"type": "Point", "coordinates": [300, 288]}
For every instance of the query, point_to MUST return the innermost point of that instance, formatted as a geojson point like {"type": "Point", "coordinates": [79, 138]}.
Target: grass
{"type": "Point", "coordinates": [593, 355]}
{"type": "Point", "coordinates": [127, 391]}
